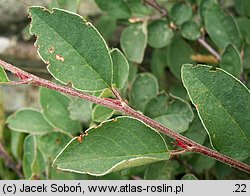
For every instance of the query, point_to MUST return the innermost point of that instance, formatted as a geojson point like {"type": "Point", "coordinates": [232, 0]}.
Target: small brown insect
{"type": "Point", "coordinates": [59, 58]}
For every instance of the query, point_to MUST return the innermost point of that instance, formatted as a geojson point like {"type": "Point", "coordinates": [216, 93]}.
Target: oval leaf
{"type": "Point", "coordinates": [115, 8]}
{"type": "Point", "coordinates": [120, 68]}
{"type": "Point", "coordinates": [171, 112]}
{"type": "Point", "coordinates": [230, 61]}
{"type": "Point", "coordinates": [144, 87]}
{"type": "Point", "coordinates": [159, 34]}
{"type": "Point", "coordinates": [181, 12]}
{"type": "Point", "coordinates": [73, 48]}
{"type": "Point", "coordinates": [114, 145]}
{"type": "Point", "coordinates": [106, 25]}
{"type": "Point", "coordinates": [190, 30]}
{"type": "Point", "coordinates": [223, 104]}
{"type": "Point", "coordinates": [33, 162]}
{"type": "Point", "coordinates": [221, 28]}
{"type": "Point", "coordinates": [179, 52]}
{"type": "Point", "coordinates": [55, 110]}
{"type": "Point", "coordinates": [134, 41]}
{"type": "Point", "coordinates": [29, 121]}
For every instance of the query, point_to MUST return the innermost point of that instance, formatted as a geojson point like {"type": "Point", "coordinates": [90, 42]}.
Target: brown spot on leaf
{"type": "Point", "coordinates": [59, 58]}
{"type": "Point", "coordinates": [51, 50]}
{"type": "Point", "coordinates": [58, 141]}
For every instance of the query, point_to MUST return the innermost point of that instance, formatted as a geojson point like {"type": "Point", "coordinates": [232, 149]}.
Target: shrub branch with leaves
{"type": "Point", "coordinates": [131, 118]}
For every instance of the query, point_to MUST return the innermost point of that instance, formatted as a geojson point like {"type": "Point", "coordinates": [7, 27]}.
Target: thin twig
{"type": "Point", "coordinates": [164, 13]}
{"type": "Point", "coordinates": [122, 107]}
{"type": "Point", "coordinates": [156, 6]}
{"type": "Point", "coordinates": [116, 93]}
{"type": "Point", "coordinates": [209, 48]}
{"type": "Point", "coordinates": [9, 162]}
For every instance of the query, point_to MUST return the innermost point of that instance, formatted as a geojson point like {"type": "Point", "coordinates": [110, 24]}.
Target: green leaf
{"type": "Point", "coordinates": [101, 113]}
{"type": "Point", "coordinates": [230, 61]}
{"type": "Point", "coordinates": [202, 163]}
{"type": "Point", "coordinates": [222, 103]}
{"type": "Point", "coordinates": [138, 8]}
{"type": "Point", "coordinates": [179, 52]}
{"type": "Point", "coordinates": [72, 5]}
{"type": "Point", "coordinates": [161, 171]}
{"type": "Point", "coordinates": [222, 29]}
{"type": "Point", "coordinates": [29, 121]}
{"type": "Point", "coordinates": [52, 143]}
{"type": "Point", "coordinates": [178, 90]}
{"type": "Point", "coordinates": [196, 131]}
{"type": "Point", "coordinates": [31, 157]}
{"type": "Point", "coordinates": [180, 12]}
{"type": "Point", "coordinates": [120, 68]}
{"type": "Point", "coordinates": [190, 30]}
{"type": "Point", "coordinates": [171, 112]}
{"type": "Point", "coordinates": [56, 174]}
{"type": "Point", "coordinates": [115, 8]}
{"type": "Point", "coordinates": [243, 24]}
{"type": "Point", "coordinates": [159, 34]}
{"type": "Point", "coordinates": [55, 110]}
{"type": "Point", "coordinates": [144, 87]}
{"type": "Point", "coordinates": [134, 41]}
{"type": "Point", "coordinates": [242, 7]}
{"type": "Point", "coordinates": [117, 144]}
{"type": "Point", "coordinates": [106, 25]}
{"type": "Point", "coordinates": [73, 48]}
{"type": "Point", "coordinates": [246, 58]}
{"type": "Point", "coordinates": [16, 145]}
{"type": "Point", "coordinates": [158, 65]}
{"type": "Point", "coordinates": [80, 109]}
{"type": "Point", "coordinates": [189, 177]}
{"type": "Point", "coordinates": [3, 76]}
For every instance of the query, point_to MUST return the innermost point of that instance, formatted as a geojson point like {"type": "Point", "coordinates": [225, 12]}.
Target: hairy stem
{"type": "Point", "coordinates": [122, 107]}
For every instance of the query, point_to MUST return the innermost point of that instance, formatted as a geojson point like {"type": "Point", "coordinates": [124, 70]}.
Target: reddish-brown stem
{"type": "Point", "coordinates": [122, 107]}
